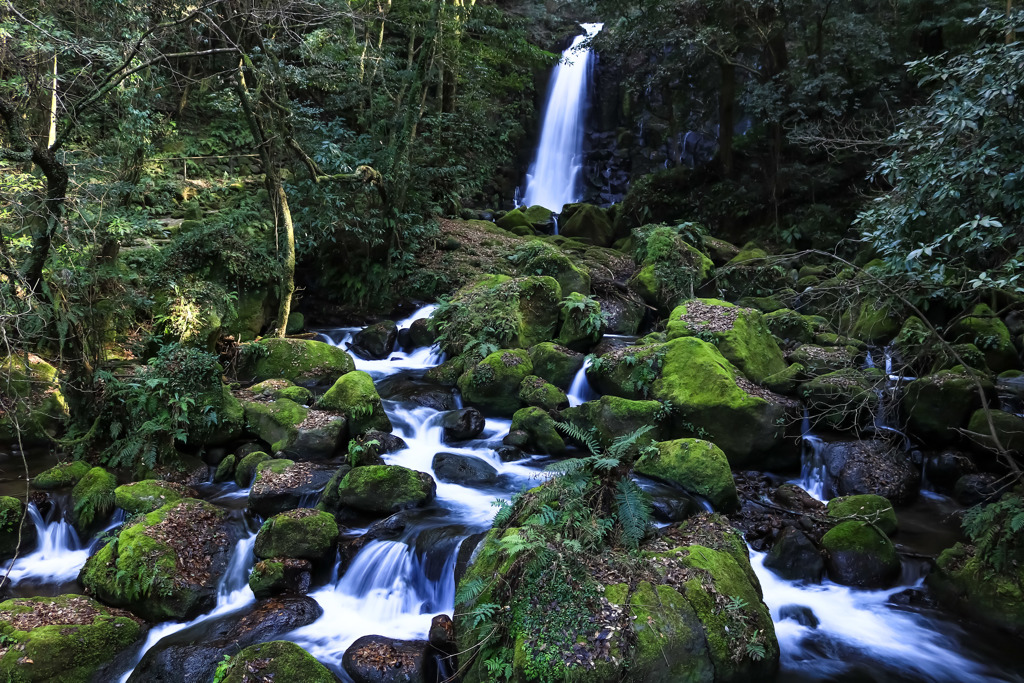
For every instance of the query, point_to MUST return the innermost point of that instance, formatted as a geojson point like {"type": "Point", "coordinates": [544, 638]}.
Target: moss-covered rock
{"type": "Point", "coordinates": [937, 405]}
{"type": "Point", "coordinates": [17, 533]}
{"type": "Point", "coordinates": [245, 470]}
{"type": "Point", "coordinates": [590, 224]}
{"type": "Point", "coordinates": [787, 381]}
{"type": "Point", "coordinates": [514, 219]}
{"type": "Point", "coordinates": [230, 419]}
{"type": "Point", "coordinates": [282, 388]}
{"type": "Point", "coordinates": [303, 361]}
{"type": "Point", "coordinates": [145, 496]}
{"type": "Point", "coordinates": [790, 326]}
{"type": "Point", "coordinates": [277, 660]}
{"type": "Point", "coordinates": [93, 497]}
{"type": "Point", "coordinates": [61, 476]}
{"type": "Point", "coordinates": [628, 371]}
{"type": "Point", "coordinates": [613, 416]}
{"type": "Point", "coordinates": [964, 581]}
{"type": "Point", "coordinates": [739, 333]}
{"type": "Point", "coordinates": [447, 373]}
{"type": "Point", "coordinates": [536, 391]}
{"type": "Point", "coordinates": [39, 408]}
{"type": "Point", "coordinates": [984, 329]}
{"type": "Point", "coordinates": [876, 509]}
{"type": "Point", "coordinates": [281, 484]}
{"type": "Point", "coordinates": [385, 489]}
{"type": "Point", "coordinates": [555, 363]}
{"type": "Point", "coordinates": [542, 437]}
{"type": "Point", "coordinates": [304, 533]}
{"type": "Point", "coordinates": [861, 555]}
{"type": "Point", "coordinates": [277, 423]}
{"type": "Point", "coordinates": [355, 396]}
{"type": "Point", "coordinates": [1009, 428]}
{"type": "Point", "coordinates": [507, 312]}
{"type": "Point", "coordinates": [913, 345]}
{"type": "Point", "coordinates": [670, 268]}
{"type": "Point", "coordinates": [492, 385]}
{"type": "Point", "coordinates": [697, 466]}
{"type": "Point", "coordinates": [166, 565]}
{"type": "Point", "coordinates": [280, 575]}
{"type": "Point", "coordinates": [821, 360]}
{"type": "Point", "coordinates": [872, 321]}
{"type": "Point", "coordinates": [63, 639]}
{"type": "Point", "coordinates": [749, 252]}
{"type": "Point", "coordinates": [225, 469]}
{"type": "Point", "coordinates": [844, 399]}
{"type": "Point", "coordinates": [537, 257]}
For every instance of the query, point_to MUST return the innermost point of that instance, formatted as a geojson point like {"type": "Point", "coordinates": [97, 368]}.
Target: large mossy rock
{"type": "Point", "coordinates": [245, 470]}
{"type": "Point", "coordinates": [304, 534]}
{"type": "Point", "coordinates": [17, 533]}
{"type": "Point", "coordinates": [32, 387]}
{"type": "Point", "coordinates": [972, 586]}
{"type": "Point", "coordinates": [60, 476]}
{"type": "Point", "coordinates": [277, 423]}
{"type": "Point", "coordinates": [669, 625]}
{"type": "Point", "coordinates": [613, 416]}
{"type": "Point", "coordinates": [536, 391]}
{"type": "Point", "coordinates": [844, 399]}
{"type": "Point", "coordinates": [282, 484]}
{"type": "Point", "coordinates": [627, 371]}
{"type": "Point", "coordinates": [697, 466]}
{"type": "Point", "coordinates": [704, 389]}
{"type": "Point", "coordinates": [539, 428]}
{"type": "Point", "coordinates": [589, 223]}
{"type": "Point", "coordinates": [821, 360]}
{"type": "Point", "coordinates": [385, 489]}
{"type": "Point", "coordinates": [872, 322]}
{"type": "Point", "coordinates": [555, 363]}
{"type": "Point", "coordinates": [93, 498]}
{"type": "Point", "coordinates": [867, 507]}
{"type": "Point", "coordinates": [355, 396]}
{"type": "Point", "coordinates": [377, 341]}
{"type": "Point", "coordinates": [282, 388]}
{"type": "Point", "coordinates": [790, 326]}
{"type": "Point", "coordinates": [860, 555]}
{"type": "Point", "coordinates": [141, 497]}
{"type": "Point", "coordinates": [870, 467]}
{"type": "Point", "coordinates": [305, 362]}
{"type": "Point", "coordinates": [937, 405]}
{"type": "Point", "coordinates": [984, 329]}
{"type": "Point", "coordinates": [63, 639]}
{"type": "Point", "coordinates": [739, 333]}
{"type": "Point", "coordinates": [670, 268]}
{"type": "Point", "coordinates": [278, 660]}
{"type": "Point", "coordinates": [537, 257]}
{"type": "Point", "coordinates": [1009, 428]}
{"type": "Point", "coordinates": [507, 312]}
{"type": "Point", "coordinates": [492, 385]}
{"type": "Point", "coordinates": [166, 565]}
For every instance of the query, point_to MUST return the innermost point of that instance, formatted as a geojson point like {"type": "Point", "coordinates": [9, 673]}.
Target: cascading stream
{"type": "Point", "coordinates": [554, 175]}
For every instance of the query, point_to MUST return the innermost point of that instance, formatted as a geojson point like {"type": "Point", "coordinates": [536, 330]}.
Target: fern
{"type": "Point", "coordinates": [470, 590]}
{"type": "Point", "coordinates": [584, 436]}
{"type": "Point", "coordinates": [633, 512]}
{"type": "Point", "coordinates": [995, 532]}
{"type": "Point", "coordinates": [504, 514]}
{"type": "Point", "coordinates": [622, 444]}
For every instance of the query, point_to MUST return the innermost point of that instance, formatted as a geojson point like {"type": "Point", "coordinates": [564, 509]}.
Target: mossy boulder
{"type": "Point", "coordinates": [537, 257]}
{"type": "Point", "coordinates": [225, 469]}
{"type": "Point", "coordinates": [965, 581]}
{"type": "Point", "coordinates": [277, 423]}
{"type": "Point", "coordinates": [321, 437]}
{"type": "Point", "coordinates": [166, 565]}
{"type": "Point", "coordinates": [704, 390]}
{"type": "Point", "coordinates": [145, 496]}
{"type": "Point", "coordinates": [447, 373]}
{"type": "Point", "coordinates": [93, 498]}
{"type": "Point", "coordinates": [514, 219]}
{"type": "Point", "coordinates": [492, 385]}
{"type": "Point", "coordinates": [497, 309]}
{"type": "Point", "coordinates": [282, 484]}
{"type": "Point", "coordinates": [302, 361]}
{"type": "Point", "coordinates": [627, 371]}
{"type": "Point", "coordinates": [789, 326]}
{"type": "Point", "coordinates": [278, 660]}
{"type": "Point", "coordinates": [230, 418]}
{"type": "Point", "coordinates": [872, 321]}
{"type": "Point", "coordinates": [355, 396]}
{"type": "Point", "coordinates": [844, 399]}
{"type": "Point", "coordinates": [697, 466]}
{"type": "Point", "coordinates": [590, 224]}
{"type": "Point", "coordinates": [245, 470]}
{"type": "Point", "coordinates": [670, 268]}
{"type": "Point", "coordinates": [1008, 427]}
{"type": "Point", "coordinates": [17, 533]}
{"type": "Point", "coordinates": [282, 388]}
{"type": "Point", "coordinates": [304, 533]}
{"type": "Point", "coordinates": [62, 475]}
{"type": "Point", "coordinates": [280, 575]}
{"type": "Point", "coordinates": [63, 639]}
{"type": "Point", "coordinates": [536, 391]}
{"type": "Point", "coordinates": [555, 363]}
{"type": "Point", "coordinates": [984, 329]}
{"type": "Point", "coordinates": [876, 509]}
{"type": "Point", "coordinates": [385, 489]}
{"type": "Point", "coordinates": [821, 360]}
{"type": "Point", "coordinates": [787, 381]}
{"type": "Point", "coordinates": [376, 341]}
{"type": "Point", "coordinates": [739, 333]}
{"type": "Point", "coordinates": [614, 416]}
{"type": "Point", "coordinates": [32, 386]}
{"type": "Point", "coordinates": [913, 345]}
{"type": "Point", "coordinates": [749, 252]}
{"type": "Point", "coordinates": [860, 555]}
{"type": "Point", "coordinates": [539, 426]}
{"type": "Point", "coordinates": [937, 405]}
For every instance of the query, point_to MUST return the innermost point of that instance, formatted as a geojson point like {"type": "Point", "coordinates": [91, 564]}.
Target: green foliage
{"type": "Point", "coordinates": [997, 532]}
{"type": "Point", "coordinates": [586, 310]}
{"type": "Point", "coordinates": [221, 672]}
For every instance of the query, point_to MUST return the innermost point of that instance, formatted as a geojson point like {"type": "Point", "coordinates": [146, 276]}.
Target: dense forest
{"type": "Point", "coordinates": [300, 380]}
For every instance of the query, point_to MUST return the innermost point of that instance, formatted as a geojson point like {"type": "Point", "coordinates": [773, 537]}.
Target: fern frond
{"type": "Point", "coordinates": [584, 436]}
{"type": "Point", "coordinates": [470, 591]}
{"type": "Point", "coordinates": [634, 512]}
{"type": "Point", "coordinates": [624, 442]}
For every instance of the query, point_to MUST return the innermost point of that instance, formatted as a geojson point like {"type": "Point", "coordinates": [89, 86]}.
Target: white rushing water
{"type": "Point", "coordinates": [580, 390]}
{"type": "Point", "coordinates": [554, 175]}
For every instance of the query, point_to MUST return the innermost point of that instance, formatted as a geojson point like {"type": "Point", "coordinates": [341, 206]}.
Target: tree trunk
{"type": "Point", "coordinates": [726, 118]}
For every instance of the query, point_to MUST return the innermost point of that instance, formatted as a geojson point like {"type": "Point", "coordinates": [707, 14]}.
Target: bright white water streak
{"type": "Point", "coordinates": [860, 623]}
{"type": "Point", "coordinates": [553, 178]}
{"type": "Point", "coordinates": [580, 390]}
{"type": "Point", "coordinates": [398, 360]}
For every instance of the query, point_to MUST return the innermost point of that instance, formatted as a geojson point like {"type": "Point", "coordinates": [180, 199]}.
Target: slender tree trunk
{"type": "Point", "coordinates": [726, 118]}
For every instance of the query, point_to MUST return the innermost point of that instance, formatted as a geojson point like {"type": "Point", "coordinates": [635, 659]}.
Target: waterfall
{"type": "Point", "coordinates": [554, 174]}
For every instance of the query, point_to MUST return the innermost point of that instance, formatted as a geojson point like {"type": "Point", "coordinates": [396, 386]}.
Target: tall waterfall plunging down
{"type": "Point", "coordinates": [553, 177]}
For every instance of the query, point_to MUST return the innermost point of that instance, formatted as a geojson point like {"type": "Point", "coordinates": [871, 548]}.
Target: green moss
{"type": "Point", "coordinates": [964, 581]}
{"type": "Point", "coordinates": [88, 636]}
{"type": "Point", "coordinates": [245, 471]}
{"type": "Point", "coordinates": [628, 372]}
{"type": "Point", "coordinates": [39, 405]}
{"type": "Point", "coordinates": [386, 489]}
{"type": "Point", "coordinates": [275, 423]}
{"type": "Point", "coordinates": [747, 343]}
{"type": "Point", "coordinates": [537, 257]}
{"type": "Point", "coordinates": [697, 466]}
{"type": "Point", "coordinates": [786, 382]}
{"type": "Point", "coordinates": [267, 578]}
{"type": "Point", "coordinates": [1008, 427]}
{"type": "Point", "coordinates": [356, 397]}
{"type": "Point", "coordinates": [867, 552]}
{"type": "Point", "coordinates": [61, 476]}
{"type": "Point", "coordinates": [590, 224]}
{"type": "Point", "coordinates": [535, 391]}
{"type": "Point", "coordinates": [493, 384]}
{"type": "Point", "coordinates": [749, 252]}
{"type": "Point", "coordinates": [514, 219]}
{"type": "Point", "coordinates": [986, 331]}
{"type": "Point", "coordinates": [613, 416]}
{"type": "Point", "coordinates": [671, 269]}
{"type": "Point", "coordinates": [282, 388]}
{"type": "Point", "coordinates": [303, 533]}
{"type": "Point", "coordinates": [872, 323]}
{"type": "Point", "coordinates": [876, 508]}
{"type": "Point", "coordinates": [669, 637]}
{"type": "Point", "coordinates": [302, 361]}
{"type": "Point", "coordinates": [277, 660]}
{"type": "Point", "coordinates": [225, 469]}
{"type": "Point", "coordinates": [843, 399]}
{"type": "Point", "coordinates": [555, 363]}
{"type": "Point", "coordinates": [937, 405]}
{"type": "Point", "coordinates": [821, 360]}
{"type": "Point", "coordinates": [145, 496]}
{"type": "Point", "coordinates": [447, 373]}
{"type": "Point", "coordinates": [16, 532]}
{"type": "Point", "coordinates": [789, 326]}
{"type": "Point", "coordinates": [543, 437]}
{"type": "Point", "coordinates": [93, 497]}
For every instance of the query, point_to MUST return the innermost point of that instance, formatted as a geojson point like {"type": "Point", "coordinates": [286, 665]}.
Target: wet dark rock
{"type": "Point", "coordinates": [674, 508]}
{"type": "Point", "coordinates": [914, 597]}
{"type": "Point", "coordinates": [462, 425]}
{"type": "Point", "coordinates": [517, 438]}
{"type": "Point", "coordinates": [298, 485]}
{"type": "Point", "coordinates": [248, 449]}
{"type": "Point", "coordinates": [213, 456]}
{"type": "Point", "coordinates": [281, 575]}
{"type": "Point", "coordinates": [800, 614]}
{"type": "Point", "coordinates": [193, 653]}
{"type": "Point", "coordinates": [405, 389]}
{"type": "Point", "coordinates": [386, 443]}
{"type": "Point", "coordinates": [318, 443]}
{"type": "Point", "coordinates": [420, 334]}
{"type": "Point", "coordinates": [944, 469]}
{"type": "Point", "coordinates": [792, 497]}
{"type": "Point", "coordinates": [375, 342]}
{"type": "Point", "coordinates": [377, 659]}
{"type": "Point", "coordinates": [871, 466]}
{"type": "Point", "coordinates": [973, 489]}
{"type": "Point", "coordinates": [509, 453]}
{"type": "Point", "coordinates": [465, 470]}
{"type": "Point", "coordinates": [466, 552]}
{"type": "Point", "coordinates": [860, 555]}
{"type": "Point", "coordinates": [794, 557]}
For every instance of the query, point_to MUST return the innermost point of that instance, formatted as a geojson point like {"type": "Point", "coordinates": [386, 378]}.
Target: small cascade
{"type": "Point", "coordinates": [399, 360]}
{"type": "Point", "coordinates": [580, 390]}
{"type": "Point", "coordinates": [554, 175]}
{"type": "Point", "coordinates": [812, 461]}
